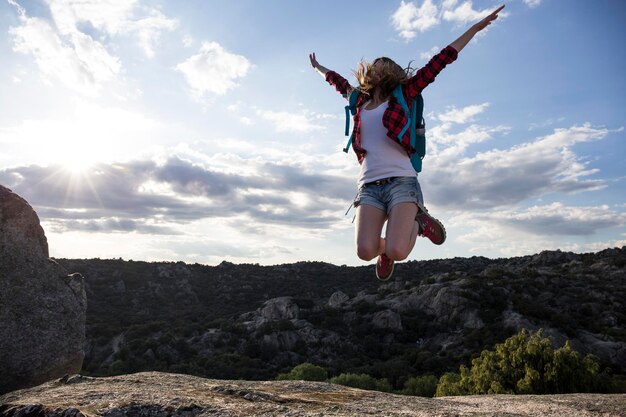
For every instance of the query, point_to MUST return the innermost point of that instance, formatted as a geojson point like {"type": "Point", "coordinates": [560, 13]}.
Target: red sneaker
{"type": "Point", "coordinates": [384, 267]}
{"type": "Point", "coordinates": [430, 227]}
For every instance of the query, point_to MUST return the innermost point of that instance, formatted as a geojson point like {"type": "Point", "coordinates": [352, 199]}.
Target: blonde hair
{"type": "Point", "coordinates": [389, 74]}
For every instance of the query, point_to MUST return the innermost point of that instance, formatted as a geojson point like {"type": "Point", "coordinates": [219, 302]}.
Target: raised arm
{"type": "Point", "coordinates": [469, 34]}
{"type": "Point", "coordinates": [426, 75]}
{"type": "Point", "coordinates": [316, 65]}
{"type": "Point", "coordinates": [341, 84]}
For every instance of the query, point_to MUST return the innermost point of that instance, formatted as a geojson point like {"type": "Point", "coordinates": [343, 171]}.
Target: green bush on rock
{"type": "Point", "coordinates": [526, 364]}
{"type": "Point", "coordinates": [421, 386]}
{"type": "Point", "coordinates": [305, 372]}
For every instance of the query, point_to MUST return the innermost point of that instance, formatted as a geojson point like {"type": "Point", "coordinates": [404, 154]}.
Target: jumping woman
{"type": "Point", "coordinates": [388, 189]}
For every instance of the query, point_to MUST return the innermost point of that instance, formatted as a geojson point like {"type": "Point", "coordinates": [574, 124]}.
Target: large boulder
{"type": "Point", "coordinates": [281, 308]}
{"type": "Point", "coordinates": [338, 299]}
{"type": "Point", "coordinates": [42, 308]}
{"type": "Point", "coordinates": [387, 319]}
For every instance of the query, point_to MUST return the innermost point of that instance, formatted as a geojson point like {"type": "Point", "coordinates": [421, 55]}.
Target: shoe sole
{"type": "Point", "coordinates": [437, 222]}
{"type": "Point", "coordinates": [388, 276]}
{"type": "Point", "coordinates": [443, 230]}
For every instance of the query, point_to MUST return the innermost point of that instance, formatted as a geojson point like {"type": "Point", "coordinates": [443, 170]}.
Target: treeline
{"type": "Point", "coordinates": [524, 364]}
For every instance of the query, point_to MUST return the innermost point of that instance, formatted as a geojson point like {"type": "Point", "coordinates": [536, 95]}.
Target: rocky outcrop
{"type": "Point", "coordinates": [388, 320]}
{"type": "Point", "coordinates": [160, 394]}
{"type": "Point", "coordinates": [42, 308]}
{"type": "Point", "coordinates": [337, 299]}
{"type": "Point", "coordinates": [282, 308]}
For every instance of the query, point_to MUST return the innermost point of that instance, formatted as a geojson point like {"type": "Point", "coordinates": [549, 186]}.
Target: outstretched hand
{"type": "Point", "coordinates": [316, 65]}
{"type": "Point", "coordinates": [463, 40]}
{"type": "Point", "coordinates": [487, 20]}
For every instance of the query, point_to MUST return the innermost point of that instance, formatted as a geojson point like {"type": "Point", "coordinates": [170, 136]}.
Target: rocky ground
{"type": "Point", "coordinates": [163, 394]}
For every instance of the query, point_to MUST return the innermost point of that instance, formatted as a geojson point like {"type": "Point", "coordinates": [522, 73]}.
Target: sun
{"type": "Point", "coordinates": [74, 156]}
{"type": "Point", "coordinates": [75, 177]}
{"type": "Point", "coordinates": [77, 167]}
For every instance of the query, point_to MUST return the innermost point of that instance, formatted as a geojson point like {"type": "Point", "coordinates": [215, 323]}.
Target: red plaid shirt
{"type": "Point", "coordinates": [394, 118]}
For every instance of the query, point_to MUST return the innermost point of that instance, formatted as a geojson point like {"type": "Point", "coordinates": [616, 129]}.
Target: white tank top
{"type": "Point", "coordinates": [384, 158]}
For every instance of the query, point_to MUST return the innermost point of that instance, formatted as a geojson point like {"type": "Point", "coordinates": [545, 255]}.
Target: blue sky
{"type": "Point", "coordinates": [197, 130]}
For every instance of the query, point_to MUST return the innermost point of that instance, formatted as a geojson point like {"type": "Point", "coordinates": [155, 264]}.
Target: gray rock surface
{"type": "Point", "coordinates": [337, 299]}
{"type": "Point", "coordinates": [281, 308]}
{"type": "Point", "coordinates": [387, 319]}
{"type": "Point", "coordinates": [161, 394]}
{"type": "Point", "coordinates": [42, 308]}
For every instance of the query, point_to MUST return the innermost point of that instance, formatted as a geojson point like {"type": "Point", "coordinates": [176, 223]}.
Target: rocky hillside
{"type": "Point", "coordinates": [158, 394]}
{"type": "Point", "coordinates": [252, 322]}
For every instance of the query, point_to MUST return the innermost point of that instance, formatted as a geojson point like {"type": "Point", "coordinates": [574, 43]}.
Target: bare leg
{"type": "Point", "coordinates": [369, 225]}
{"type": "Point", "coordinates": [401, 231]}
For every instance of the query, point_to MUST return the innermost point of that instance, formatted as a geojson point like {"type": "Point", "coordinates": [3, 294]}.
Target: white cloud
{"type": "Point", "coordinates": [234, 107]}
{"type": "Point", "coordinates": [463, 115]}
{"type": "Point", "coordinates": [82, 64]}
{"type": "Point", "coordinates": [562, 138]}
{"type": "Point", "coordinates": [532, 3]}
{"type": "Point", "coordinates": [546, 123]}
{"type": "Point", "coordinates": [213, 69]}
{"type": "Point", "coordinates": [454, 144]}
{"type": "Point", "coordinates": [70, 46]}
{"type": "Point", "coordinates": [161, 197]}
{"type": "Point", "coordinates": [292, 122]}
{"type": "Point", "coordinates": [408, 18]}
{"type": "Point", "coordinates": [112, 17]}
{"type": "Point", "coordinates": [506, 177]}
{"type": "Point", "coordinates": [429, 54]}
{"type": "Point", "coordinates": [246, 121]}
{"type": "Point", "coordinates": [465, 13]}
{"type": "Point", "coordinates": [149, 29]}
{"type": "Point", "coordinates": [517, 231]}
{"type": "Point", "coordinates": [188, 41]}
{"type": "Point", "coordinates": [559, 219]}
{"type": "Point", "coordinates": [448, 4]}
{"type": "Point", "coordinates": [594, 246]}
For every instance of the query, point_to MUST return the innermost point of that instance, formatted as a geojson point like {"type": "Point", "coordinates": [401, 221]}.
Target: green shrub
{"type": "Point", "coordinates": [449, 384]}
{"type": "Point", "coordinates": [527, 364]}
{"type": "Point", "coordinates": [362, 381]}
{"type": "Point", "coordinates": [305, 372]}
{"type": "Point", "coordinates": [421, 386]}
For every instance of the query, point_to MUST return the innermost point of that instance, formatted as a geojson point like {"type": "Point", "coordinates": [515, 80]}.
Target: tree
{"type": "Point", "coordinates": [421, 386]}
{"type": "Point", "coordinates": [568, 372]}
{"type": "Point", "coordinates": [305, 372]}
{"type": "Point", "coordinates": [449, 384]}
{"type": "Point", "coordinates": [526, 364]}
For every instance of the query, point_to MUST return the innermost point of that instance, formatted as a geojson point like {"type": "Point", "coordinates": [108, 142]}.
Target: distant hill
{"type": "Point", "coordinates": [252, 322]}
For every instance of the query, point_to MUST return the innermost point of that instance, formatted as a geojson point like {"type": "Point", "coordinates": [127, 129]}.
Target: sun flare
{"type": "Point", "coordinates": [77, 167]}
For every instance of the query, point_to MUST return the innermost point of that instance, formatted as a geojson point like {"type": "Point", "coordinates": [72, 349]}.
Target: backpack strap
{"type": "Point", "coordinates": [353, 98]}
{"type": "Point", "coordinates": [418, 133]}
{"type": "Point", "coordinates": [397, 93]}
{"type": "Point", "coordinates": [417, 136]}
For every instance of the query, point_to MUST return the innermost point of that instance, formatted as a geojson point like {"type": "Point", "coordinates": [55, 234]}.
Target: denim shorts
{"type": "Point", "coordinates": [387, 195]}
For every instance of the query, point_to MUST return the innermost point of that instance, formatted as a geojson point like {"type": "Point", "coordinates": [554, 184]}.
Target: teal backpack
{"type": "Point", "coordinates": [418, 136]}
